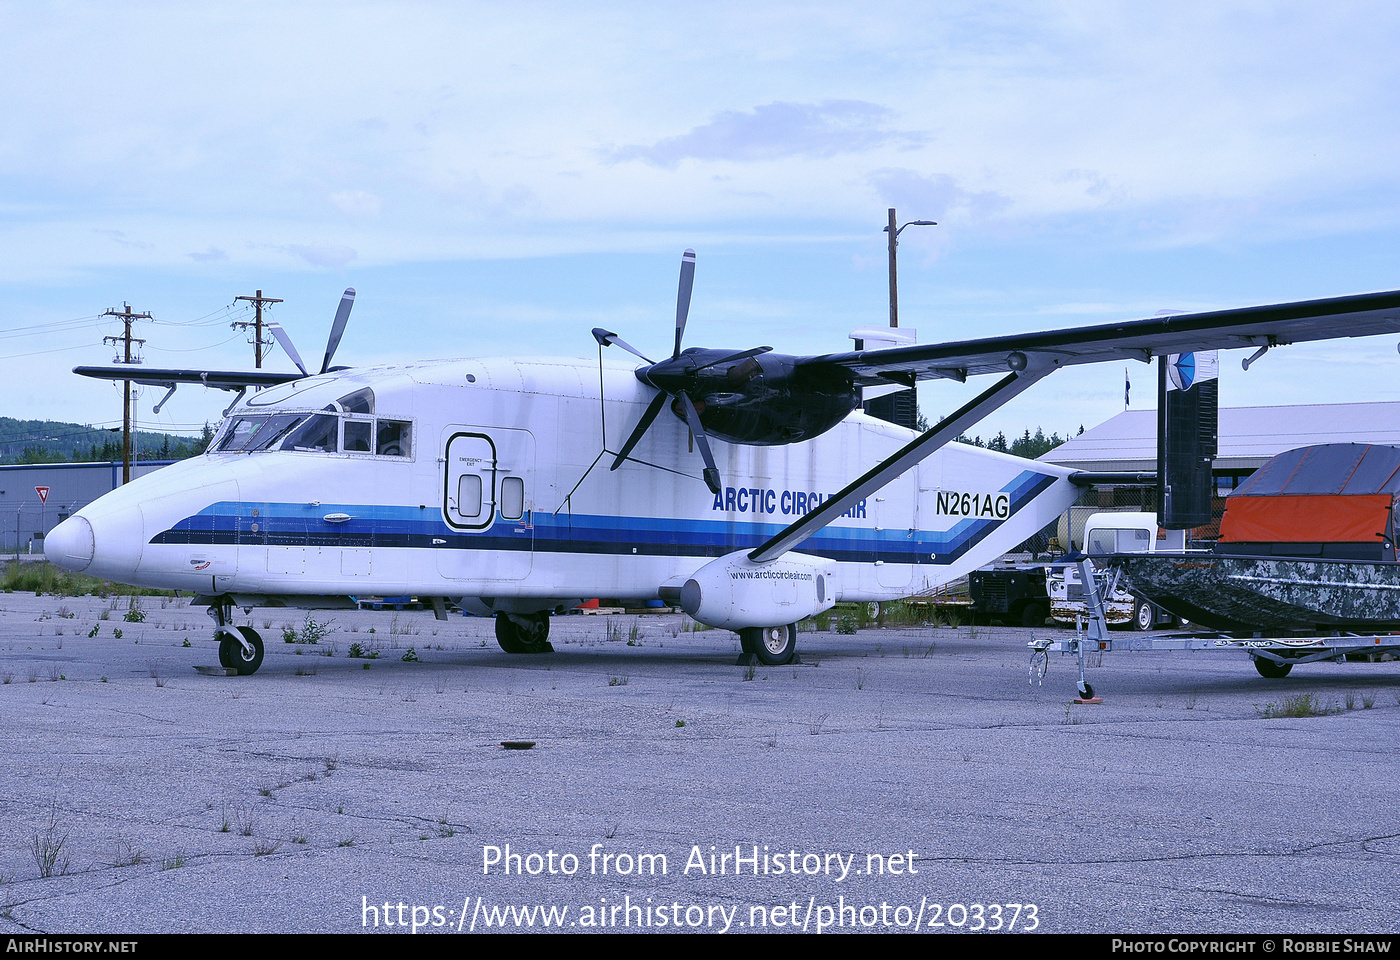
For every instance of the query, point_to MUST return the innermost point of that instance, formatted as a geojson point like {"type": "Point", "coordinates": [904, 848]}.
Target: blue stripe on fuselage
{"type": "Point", "coordinates": [391, 526]}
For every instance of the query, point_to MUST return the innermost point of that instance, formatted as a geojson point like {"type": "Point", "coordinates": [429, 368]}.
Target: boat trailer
{"type": "Point", "coordinates": [1273, 657]}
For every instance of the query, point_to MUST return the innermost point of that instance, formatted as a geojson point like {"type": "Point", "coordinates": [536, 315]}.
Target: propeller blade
{"type": "Point", "coordinates": [653, 408]}
{"type": "Point", "coordinates": [683, 297]}
{"type": "Point", "coordinates": [338, 327]}
{"type": "Point", "coordinates": [286, 343]}
{"type": "Point", "coordinates": [607, 339]}
{"type": "Point", "coordinates": [693, 419]}
{"type": "Point", "coordinates": [734, 356]}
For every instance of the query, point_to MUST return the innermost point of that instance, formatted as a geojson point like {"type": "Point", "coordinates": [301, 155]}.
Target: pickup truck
{"type": "Point", "coordinates": [1108, 533]}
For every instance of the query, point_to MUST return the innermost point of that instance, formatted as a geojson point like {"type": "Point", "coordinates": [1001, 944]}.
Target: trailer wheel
{"type": "Point", "coordinates": [1270, 669]}
{"type": "Point", "coordinates": [1086, 691]}
{"type": "Point", "coordinates": [1144, 615]}
{"type": "Point", "coordinates": [1034, 614]}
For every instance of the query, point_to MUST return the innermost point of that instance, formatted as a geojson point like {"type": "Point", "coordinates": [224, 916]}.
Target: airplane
{"type": "Point", "coordinates": [518, 487]}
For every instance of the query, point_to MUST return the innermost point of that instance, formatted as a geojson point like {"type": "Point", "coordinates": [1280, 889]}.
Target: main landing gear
{"type": "Point", "coordinates": [240, 648]}
{"type": "Point", "coordinates": [523, 632]}
{"type": "Point", "coordinates": [773, 646]}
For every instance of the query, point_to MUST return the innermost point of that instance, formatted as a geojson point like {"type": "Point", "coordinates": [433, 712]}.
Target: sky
{"type": "Point", "coordinates": [498, 178]}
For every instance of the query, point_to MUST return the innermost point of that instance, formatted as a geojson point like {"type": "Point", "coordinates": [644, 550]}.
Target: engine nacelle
{"type": "Point", "coordinates": [733, 592]}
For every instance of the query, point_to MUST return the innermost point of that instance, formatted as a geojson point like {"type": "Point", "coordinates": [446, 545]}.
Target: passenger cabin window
{"type": "Point", "coordinates": [512, 498]}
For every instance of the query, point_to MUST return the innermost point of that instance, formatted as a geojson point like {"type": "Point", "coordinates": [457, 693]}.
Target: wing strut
{"type": "Point", "coordinates": [917, 449]}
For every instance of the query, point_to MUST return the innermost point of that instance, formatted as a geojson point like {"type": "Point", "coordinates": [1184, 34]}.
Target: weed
{"type": "Point", "coordinates": [175, 862]}
{"type": "Point", "coordinates": [1297, 705]}
{"type": "Point", "coordinates": [104, 615]}
{"type": "Point", "coordinates": [134, 613]}
{"type": "Point", "coordinates": [1192, 698]}
{"type": "Point", "coordinates": [93, 632]}
{"type": "Point", "coordinates": [365, 666]}
{"type": "Point", "coordinates": [264, 847]}
{"type": "Point", "coordinates": [1351, 699]}
{"type": "Point", "coordinates": [127, 855]}
{"type": "Point", "coordinates": [409, 656]}
{"type": "Point", "coordinates": [860, 678]}
{"type": "Point", "coordinates": [245, 821]}
{"type": "Point", "coordinates": [33, 675]}
{"type": "Point", "coordinates": [265, 791]}
{"type": "Point", "coordinates": [65, 614]}
{"type": "Point", "coordinates": [815, 727]}
{"type": "Point", "coordinates": [54, 675]}
{"type": "Point", "coordinates": [752, 668]}
{"type": "Point", "coordinates": [617, 681]}
{"type": "Point", "coordinates": [1368, 698]}
{"type": "Point", "coordinates": [846, 625]}
{"type": "Point", "coordinates": [445, 829]}
{"type": "Point", "coordinates": [634, 634]}
{"type": "Point", "coordinates": [309, 671]}
{"type": "Point", "coordinates": [117, 632]}
{"type": "Point", "coordinates": [614, 631]}
{"type": "Point", "coordinates": [610, 832]}
{"type": "Point", "coordinates": [680, 723]}
{"type": "Point", "coordinates": [47, 846]}
{"type": "Point", "coordinates": [347, 842]}
{"type": "Point", "coordinates": [312, 630]}
{"type": "Point", "coordinates": [299, 838]}
{"type": "Point", "coordinates": [360, 651]}
{"type": "Point", "coordinates": [187, 643]}
{"type": "Point", "coordinates": [103, 680]}
{"type": "Point", "coordinates": [225, 826]}
{"type": "Point", "coordinates": [289, 634]}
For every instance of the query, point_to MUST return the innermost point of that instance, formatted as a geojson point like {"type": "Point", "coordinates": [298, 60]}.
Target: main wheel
{"type": "Point", "coordinates": [774, 646]}
{"type": "Point", "coordinates": [530, 637]}
{"type": "Point", "coordinates": [1271, 669]}
{"type": "Point", "coordinates": [233, 656]}
{"type": "Point", "coordinates": [1144, 615]}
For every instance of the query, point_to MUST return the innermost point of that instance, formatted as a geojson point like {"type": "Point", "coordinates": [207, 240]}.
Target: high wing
{"type": "Point", "coordinates": [157, 377]}
{"type": "Point", "coordinates": [1028, 358]}
{"type": "Point", "coordinates": [1362, 315]}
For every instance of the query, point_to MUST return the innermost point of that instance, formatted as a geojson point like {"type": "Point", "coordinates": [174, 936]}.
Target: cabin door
{"type": "Point", "coordinates": [487, 504]}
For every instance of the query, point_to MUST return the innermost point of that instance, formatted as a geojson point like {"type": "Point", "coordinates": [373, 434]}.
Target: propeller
{"type": "Point", "coordinates": [342, 316]}
{"type": "Point", "coordinates": [675, 378]}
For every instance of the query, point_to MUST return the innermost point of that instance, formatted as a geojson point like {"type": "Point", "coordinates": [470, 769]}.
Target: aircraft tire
{"type": "Point", "coordinates": [1144, 615]}
{"type": "Point", "coordinates": [514, 638]}
{"type": "Point", "coordinates": [749, 640]}
{"type": "Point", "coordinates": [774, 646]}
{"type": "Point", "coordinates": [1270, 670]}
{"type": "Point", "coordinates": [233, 656]}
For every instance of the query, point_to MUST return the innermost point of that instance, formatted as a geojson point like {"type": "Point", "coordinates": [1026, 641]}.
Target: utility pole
{"type": "Point", "coordinates": [126, 339]}
{"type": "Point", "coordinates": [257, 324]}
{"type": "Point", "coordinates": [903, 407]}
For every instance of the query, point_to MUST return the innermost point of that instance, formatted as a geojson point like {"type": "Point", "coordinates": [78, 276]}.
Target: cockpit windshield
{"type": "Point", "coordinates": [347, 425]}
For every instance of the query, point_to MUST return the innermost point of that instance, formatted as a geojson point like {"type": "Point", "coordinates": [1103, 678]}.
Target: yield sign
{"type": "Point", "coordinates": [43, 493]}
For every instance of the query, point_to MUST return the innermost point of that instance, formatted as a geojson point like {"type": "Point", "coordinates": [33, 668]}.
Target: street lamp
{"type": "Point", "coordinates": [894, 233]}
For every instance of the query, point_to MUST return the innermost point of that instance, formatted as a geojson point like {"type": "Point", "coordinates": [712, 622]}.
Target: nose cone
{"type": "Point", "coordinates": [70, 545]}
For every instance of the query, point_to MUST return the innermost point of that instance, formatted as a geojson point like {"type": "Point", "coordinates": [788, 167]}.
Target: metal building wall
{"type": "Point", "coordinates": [72, 486]}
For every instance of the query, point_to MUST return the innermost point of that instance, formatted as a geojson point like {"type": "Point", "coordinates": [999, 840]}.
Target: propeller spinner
{"type": "Point", "coordinates": [676, 378]}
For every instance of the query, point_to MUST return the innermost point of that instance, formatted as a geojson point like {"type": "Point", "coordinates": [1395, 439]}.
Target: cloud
{"type": "Point", "coordinates": [777, 130]}
{"type": "Point", "coordinates": [212, 255]}
{"type": "Point", "coordinates": [933, 196]}
{"type": "Point", "coordinates": [120, 237]}
{"type": "Point", "coordinates": [357, 202]}
{"type": "Point", "coordinates": [323, 254]}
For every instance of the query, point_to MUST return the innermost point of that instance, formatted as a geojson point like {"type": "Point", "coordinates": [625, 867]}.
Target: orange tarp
{"type": "Point", "coordinates": [1306, 519]}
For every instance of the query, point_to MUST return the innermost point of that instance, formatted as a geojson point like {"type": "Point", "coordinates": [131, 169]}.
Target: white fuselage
{"type": "Point", "coordinates": [496, 489]}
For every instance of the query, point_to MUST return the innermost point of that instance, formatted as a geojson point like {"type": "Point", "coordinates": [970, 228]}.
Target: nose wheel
{"type": "Point", "coordinates": [245, 656]}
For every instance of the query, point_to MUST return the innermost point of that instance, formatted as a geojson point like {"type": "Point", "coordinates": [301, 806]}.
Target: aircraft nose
{"type": "Point", "coordinates": [71, 545]}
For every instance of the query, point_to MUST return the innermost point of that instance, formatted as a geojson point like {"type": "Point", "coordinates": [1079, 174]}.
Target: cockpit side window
{"type": "Point", "coordinates": [359, 435]}
{"type": "Point", "coordinates": [394, 439]}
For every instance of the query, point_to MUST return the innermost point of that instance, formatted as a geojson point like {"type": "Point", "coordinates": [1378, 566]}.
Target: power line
{"type": "Point", "coordinates": [257, 325]}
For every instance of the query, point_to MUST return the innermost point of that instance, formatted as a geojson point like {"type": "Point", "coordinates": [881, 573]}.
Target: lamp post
{"type": "Point", "coordinates": [894, 233]}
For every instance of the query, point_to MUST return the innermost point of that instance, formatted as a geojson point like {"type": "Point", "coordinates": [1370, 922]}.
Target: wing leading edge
{"type": "Point", "coordinates": [1362, 315]}
{"type": "Point", "coordinates": [158, 377]}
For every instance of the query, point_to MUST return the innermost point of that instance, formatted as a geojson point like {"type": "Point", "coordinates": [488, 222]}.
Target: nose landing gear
{"type": "Point", "coordinates": [240, 648]}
